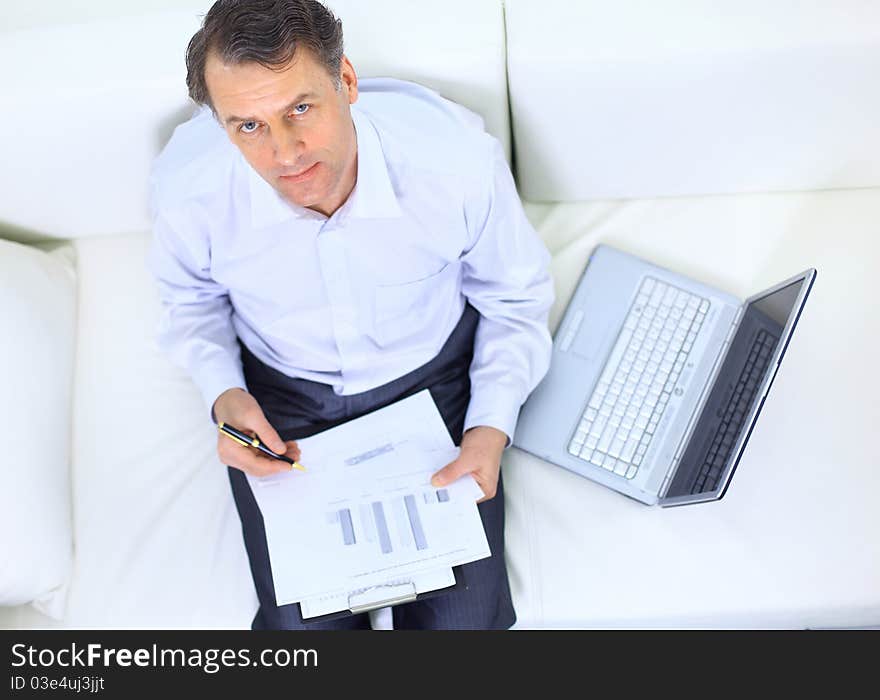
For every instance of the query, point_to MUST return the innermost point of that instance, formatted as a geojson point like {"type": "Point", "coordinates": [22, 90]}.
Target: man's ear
{"type": "Point", "coordinates": [349, 79]}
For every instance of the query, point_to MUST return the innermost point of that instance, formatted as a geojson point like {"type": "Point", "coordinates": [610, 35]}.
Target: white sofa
{"type": "Point", "coordinates": [735, 142]}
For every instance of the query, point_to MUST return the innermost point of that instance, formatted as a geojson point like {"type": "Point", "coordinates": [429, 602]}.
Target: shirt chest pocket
{"type": "Point", "coordinates": [404, 311]}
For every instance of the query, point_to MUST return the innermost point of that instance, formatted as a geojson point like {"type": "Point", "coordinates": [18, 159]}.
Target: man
{"type": "Point", "coordinates": [318, 259]}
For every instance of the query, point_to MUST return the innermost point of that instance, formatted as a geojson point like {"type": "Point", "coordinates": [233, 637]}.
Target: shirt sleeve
{"type": "Point", "coordinates": [506, 277]}
{"type": "Point", "coordinates": [195, 327]}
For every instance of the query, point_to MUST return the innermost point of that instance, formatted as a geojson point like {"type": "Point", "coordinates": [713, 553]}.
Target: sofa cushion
{"type": "Point", "coordinates": [38, 316]}
{"type": "Point", "coordinates": [792, 542]}
{"type": "Point", "coordinates": [631, 100]}
{"type": "Point", "coordinates": [118, 90]}
{"type": "Point", "coordinates": [159, 543]}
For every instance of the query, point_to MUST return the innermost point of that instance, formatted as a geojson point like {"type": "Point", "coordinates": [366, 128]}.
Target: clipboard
{"type": "Point", "coordinates": [384, 595]}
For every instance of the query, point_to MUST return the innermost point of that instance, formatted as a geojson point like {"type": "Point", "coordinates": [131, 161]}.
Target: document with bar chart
{"type": "Point", "coordinates": [364, 512]}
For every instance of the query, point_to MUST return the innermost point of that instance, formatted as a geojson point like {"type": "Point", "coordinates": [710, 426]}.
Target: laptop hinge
{"type": "Point", "coordinates": [701, 402]}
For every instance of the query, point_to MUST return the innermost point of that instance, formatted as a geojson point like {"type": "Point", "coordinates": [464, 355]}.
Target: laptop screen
{"type": "Point", "coordinates": [729, 412]}
{"type": "Point", "coordinates": [777, 305]}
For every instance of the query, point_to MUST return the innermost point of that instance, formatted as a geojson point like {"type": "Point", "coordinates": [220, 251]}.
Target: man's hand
{"type": "Point", "coordinates": [240, 409]}
{"type": "Point", "coordinates": [481, 450]}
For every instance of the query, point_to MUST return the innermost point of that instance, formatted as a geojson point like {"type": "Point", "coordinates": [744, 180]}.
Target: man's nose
{"type": "Point", "coordinates": [289, 147]}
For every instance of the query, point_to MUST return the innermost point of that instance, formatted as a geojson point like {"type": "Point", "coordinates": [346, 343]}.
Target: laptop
{"type": "Point", "coordinates": [656, 380]}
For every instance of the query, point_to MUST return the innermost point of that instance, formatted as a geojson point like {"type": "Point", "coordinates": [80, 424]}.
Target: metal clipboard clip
{"type": "Point", "coordinates": [381, 596]}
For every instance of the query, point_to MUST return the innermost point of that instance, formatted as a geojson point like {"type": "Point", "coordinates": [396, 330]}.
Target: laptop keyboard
{"type": "Point", "coordinates": [740, 402]}
{"type": "Point", "coordinates": [621, 416]}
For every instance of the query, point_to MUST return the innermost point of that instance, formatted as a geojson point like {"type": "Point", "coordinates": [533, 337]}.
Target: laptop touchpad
{"type": "Point", "coordinates": [591, 340]}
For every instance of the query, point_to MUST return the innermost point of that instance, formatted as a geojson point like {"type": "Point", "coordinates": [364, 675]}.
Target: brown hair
{"type": "Point", "coordinates": [267, 32]}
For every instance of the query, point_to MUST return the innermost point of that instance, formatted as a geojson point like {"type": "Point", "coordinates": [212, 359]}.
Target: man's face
{"type": "Point", "coordinates": [291, 125]}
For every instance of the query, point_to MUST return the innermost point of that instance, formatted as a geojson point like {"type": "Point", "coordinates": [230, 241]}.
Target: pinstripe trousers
{"type": "Point", "coordinates": [298, 408]}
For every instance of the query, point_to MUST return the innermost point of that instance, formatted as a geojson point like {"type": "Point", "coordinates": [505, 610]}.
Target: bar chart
{"type": "Point", "coordinates": [388, 524]}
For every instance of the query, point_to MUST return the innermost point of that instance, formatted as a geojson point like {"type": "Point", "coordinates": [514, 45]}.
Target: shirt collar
{"type": "Point", "coordinates": [372, 197]}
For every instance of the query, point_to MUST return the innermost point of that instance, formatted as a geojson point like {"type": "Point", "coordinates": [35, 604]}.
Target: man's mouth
{"type": "Point", "coordinates": [301, 175]}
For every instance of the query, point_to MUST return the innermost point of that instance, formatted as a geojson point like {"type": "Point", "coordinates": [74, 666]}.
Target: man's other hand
{"type": "Point", "coordinates": [240, 409]}
{"type": "Point", "coordinates": [480, 456]}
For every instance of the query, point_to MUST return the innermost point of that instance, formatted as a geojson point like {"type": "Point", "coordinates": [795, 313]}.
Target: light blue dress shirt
{"type": "Point", "coordinates": [361, 298]}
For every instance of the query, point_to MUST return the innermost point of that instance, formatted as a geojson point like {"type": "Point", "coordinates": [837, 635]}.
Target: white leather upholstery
{"type": "Point", "coordinates": [652, 99]}
{"type": "Point", "coordinates": [103, 97]}
{"type": "Point", "coordinates": [157, 536]}
{"type": "Point", "coordinates": [38, 321]}
{"type": "Point", "coordinates": [158, 542]}
{"type": "Point", "coordinates": [791, 543]}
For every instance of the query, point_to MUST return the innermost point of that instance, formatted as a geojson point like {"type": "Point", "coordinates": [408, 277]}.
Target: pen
{"type": "Point", "coordinates": [249, 441]}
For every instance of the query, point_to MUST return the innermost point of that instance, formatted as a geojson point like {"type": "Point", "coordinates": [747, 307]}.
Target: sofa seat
{"type": "Point", "coordinates": [158, 542]}
{"type": "Point", "coordinates": [792, 543]}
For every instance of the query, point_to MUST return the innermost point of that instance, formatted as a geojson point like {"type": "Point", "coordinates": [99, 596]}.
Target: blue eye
{"type": "Point", "coordinates": [248, 127]}
{"type": "Point", "coordinates": [302, 105]}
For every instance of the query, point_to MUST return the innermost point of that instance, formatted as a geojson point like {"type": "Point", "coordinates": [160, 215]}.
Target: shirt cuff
{"type": "Point", "coordinates": [496, 407]}
{"type": "Point", "coordinates": [213, 381]}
